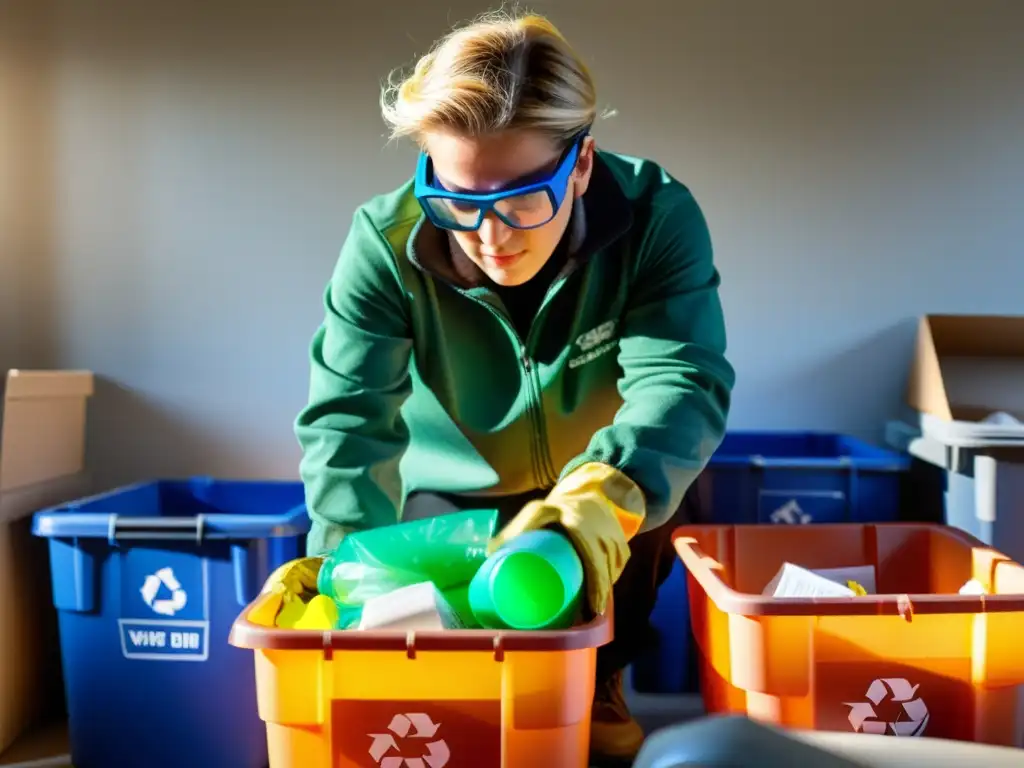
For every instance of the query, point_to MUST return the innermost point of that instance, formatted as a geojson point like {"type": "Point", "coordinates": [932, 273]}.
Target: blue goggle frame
{"type": "Point", "coordinates": [554, 186]}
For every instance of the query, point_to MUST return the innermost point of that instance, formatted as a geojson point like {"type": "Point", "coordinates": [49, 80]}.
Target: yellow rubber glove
{"type": "Point", "coordinates": [600, 509]}
{"type": "Point", "coordinates": [321, 613]}
{"type": "Point", "coordinates": [295, 581]}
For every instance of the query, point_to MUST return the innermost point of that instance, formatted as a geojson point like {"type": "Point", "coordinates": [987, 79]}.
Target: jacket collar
{"type": "Point", "coordinates": [599, 217]}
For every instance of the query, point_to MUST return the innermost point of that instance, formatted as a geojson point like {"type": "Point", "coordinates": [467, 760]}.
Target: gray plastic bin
{"type": "Point", "coordinates": [735, 742]}
{"type": "Point", "coordinates": [984, 475]}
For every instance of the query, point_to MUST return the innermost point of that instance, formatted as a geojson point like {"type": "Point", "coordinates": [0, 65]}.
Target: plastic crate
{"type": "Point", "coordinates": [918, 659]}
{"type": "Point", "coordinates": [770, 477]}
{"type": "Point", "coordinates": [147, 580]}
{"type": "Point", "coordinates": [802, 477]}
{"type": "Point", "coordinates": [460, 699]}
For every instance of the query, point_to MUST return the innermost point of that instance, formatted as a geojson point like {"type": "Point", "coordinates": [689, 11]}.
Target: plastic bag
{"type": "Point", "coordinates": [446, 550]}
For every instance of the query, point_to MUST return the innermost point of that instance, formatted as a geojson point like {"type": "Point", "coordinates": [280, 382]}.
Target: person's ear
{"type": "Point", "coordinates": [584, 166]}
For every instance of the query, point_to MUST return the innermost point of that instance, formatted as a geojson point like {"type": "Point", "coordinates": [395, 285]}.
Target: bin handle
{"type": "Point", "coordinates": [128, 528]}
{"type": "Point", "coordinates": [843, 462]}
{"type": "Point", "coordinates": [763, 462]}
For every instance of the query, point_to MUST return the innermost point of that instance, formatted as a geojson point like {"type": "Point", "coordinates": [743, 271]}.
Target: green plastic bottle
{"type": "Point", "coordinates": [534, 582]}
{"type": "Point", "coordinates": [447, 550]}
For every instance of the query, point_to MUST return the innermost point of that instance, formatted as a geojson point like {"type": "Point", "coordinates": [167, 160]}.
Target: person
{"type": "Point", "coordinates": [528, 323]}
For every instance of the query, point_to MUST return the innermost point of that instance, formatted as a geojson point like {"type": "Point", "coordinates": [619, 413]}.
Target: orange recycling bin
{"type": "Point", "coordinates": [914, 659]}
{"type": "Point", "coordinates": [458, 699]}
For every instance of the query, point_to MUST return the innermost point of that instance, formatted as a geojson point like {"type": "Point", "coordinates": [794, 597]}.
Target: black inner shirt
{"type": "Point", "coordinates": [523, 301]}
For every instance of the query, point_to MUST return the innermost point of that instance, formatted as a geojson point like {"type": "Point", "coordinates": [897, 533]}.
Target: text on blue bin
{"type": "Point", "coordinates": [165, 640]}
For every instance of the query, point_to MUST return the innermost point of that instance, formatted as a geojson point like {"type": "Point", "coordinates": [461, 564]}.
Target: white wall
{"type": "Point", "coordinates": [859, 162]}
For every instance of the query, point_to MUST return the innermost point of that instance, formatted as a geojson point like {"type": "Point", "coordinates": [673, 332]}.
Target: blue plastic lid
{"type": "Point", "coordinates": [197, 509]}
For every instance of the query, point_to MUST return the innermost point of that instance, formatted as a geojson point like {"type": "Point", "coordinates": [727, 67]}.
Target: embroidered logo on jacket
{"type": "Point", "coordinates": [594, 343]}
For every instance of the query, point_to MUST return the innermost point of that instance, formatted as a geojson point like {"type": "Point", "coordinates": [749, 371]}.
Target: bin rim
{"type": "Point", "coordinates": [894, 463]}
{"type": "Point", "coordinates": [883, 458]}
{"type": "Point", "coordinates": [248, 635]}
{"type": "Point", "coordinates": [67, 521]}
{"type": "Point", "coordinates": [734, 602]}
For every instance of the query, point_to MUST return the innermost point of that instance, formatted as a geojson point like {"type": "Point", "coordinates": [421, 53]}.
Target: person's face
{"type": "Point", "coordinates": [506, 255]}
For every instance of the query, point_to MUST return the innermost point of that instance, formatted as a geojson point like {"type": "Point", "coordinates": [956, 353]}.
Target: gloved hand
{"type": "Point", "coordinates": [295, 580]}
{"type": "Point", "coordinates": [600, 510]}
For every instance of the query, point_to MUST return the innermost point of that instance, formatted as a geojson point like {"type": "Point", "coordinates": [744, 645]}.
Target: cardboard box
{"type": "Point", "coordinates": [46, 746]}
{"type": "Point", "coordinates": [968, 367]}
{"type": "Point", "coordinates": [31, 684]}
{"type": "Point", "coordinates": [42, 426]}
{"type": "Point", "coordinates": [42, 460]}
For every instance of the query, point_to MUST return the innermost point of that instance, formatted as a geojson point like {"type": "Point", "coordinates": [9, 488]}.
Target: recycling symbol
{"type": "Point", "coordinates": [790, 513]}
{"type": "Point", "coordinates": [415, 726]}
{"type": "Point", "coordinates": [165, 606]}
{"type": "Point", "coordinates": [913, 713]}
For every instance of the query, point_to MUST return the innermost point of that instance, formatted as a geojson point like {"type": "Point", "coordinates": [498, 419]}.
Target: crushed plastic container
{"type": "Point", "coordinates": [918, 659]}
{"type": "Point", "coordinates": [460, 699]}
{"type": "Point", "coordinates": [147, 580]}
{"type": "Point", "coordinates": [738, 742]}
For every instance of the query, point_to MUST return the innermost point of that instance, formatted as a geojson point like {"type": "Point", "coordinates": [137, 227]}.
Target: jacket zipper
{"type": "Point", "coordinates": [543, 465]}
{"type": "Point", "coordinates": [547, 472]}
{"type": "Point", "coordinates": [542, 435]}
{"type": "Point", "coordinates": [541, 462]}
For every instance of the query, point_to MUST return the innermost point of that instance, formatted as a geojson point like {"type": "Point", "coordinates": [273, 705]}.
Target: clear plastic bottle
{"type": "Point", "coordinates": [447, 550]}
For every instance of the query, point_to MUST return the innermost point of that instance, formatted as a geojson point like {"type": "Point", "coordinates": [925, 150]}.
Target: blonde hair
{"type": "Point", "coordinates": [502, 71]}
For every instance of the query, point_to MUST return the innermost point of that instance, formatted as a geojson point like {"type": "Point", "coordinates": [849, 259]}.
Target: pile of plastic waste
{"type": "Point", "coordinates": [436, 574]}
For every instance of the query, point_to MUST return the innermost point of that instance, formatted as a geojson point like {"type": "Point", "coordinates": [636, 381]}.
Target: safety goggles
{"type": "Point", "coordinates": [526, 205]}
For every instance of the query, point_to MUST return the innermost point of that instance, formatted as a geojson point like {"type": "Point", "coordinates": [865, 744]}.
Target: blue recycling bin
{"type": "Point", "coordinates": [147, 581]}
{"type": "Point", "coordinates": [783, 478]}
{"type": "Point", "coordinates": [803, 477]}
{"type": "Point", "coordinates": [670, 667]}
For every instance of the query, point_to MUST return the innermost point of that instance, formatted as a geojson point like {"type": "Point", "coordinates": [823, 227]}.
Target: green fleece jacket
{"type": "Point", "coordinates": [420, 381]}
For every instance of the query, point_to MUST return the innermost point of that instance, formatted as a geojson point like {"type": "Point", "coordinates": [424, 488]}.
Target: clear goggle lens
{"type": "Point", "coordinates": [519, 211]}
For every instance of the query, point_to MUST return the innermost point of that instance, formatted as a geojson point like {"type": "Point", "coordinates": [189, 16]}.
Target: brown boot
{"type": "Point", "coordinates": [614, 734]}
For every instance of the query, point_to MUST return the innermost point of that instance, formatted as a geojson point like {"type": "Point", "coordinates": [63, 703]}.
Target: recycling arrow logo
{"type": "Point", "coordinates": [165, 606]}
{"type": "Point", "coordinates": [414, 726]}
{"type": "Point", "coordinates": [913, 714]}
{"type": "Point", "coordinates": [791, 513]}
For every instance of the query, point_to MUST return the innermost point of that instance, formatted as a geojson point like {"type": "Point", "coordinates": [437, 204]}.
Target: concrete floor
{"type": "Point", "coordinates": [654, 712]}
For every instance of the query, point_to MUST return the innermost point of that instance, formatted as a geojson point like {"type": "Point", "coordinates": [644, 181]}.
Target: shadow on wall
{"type": "Point", "coordinates": [132, 437]}
{"type": "Point", "coordinates": [27, 337]}
{"type": "Point", "coordinates": [873, 370]}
